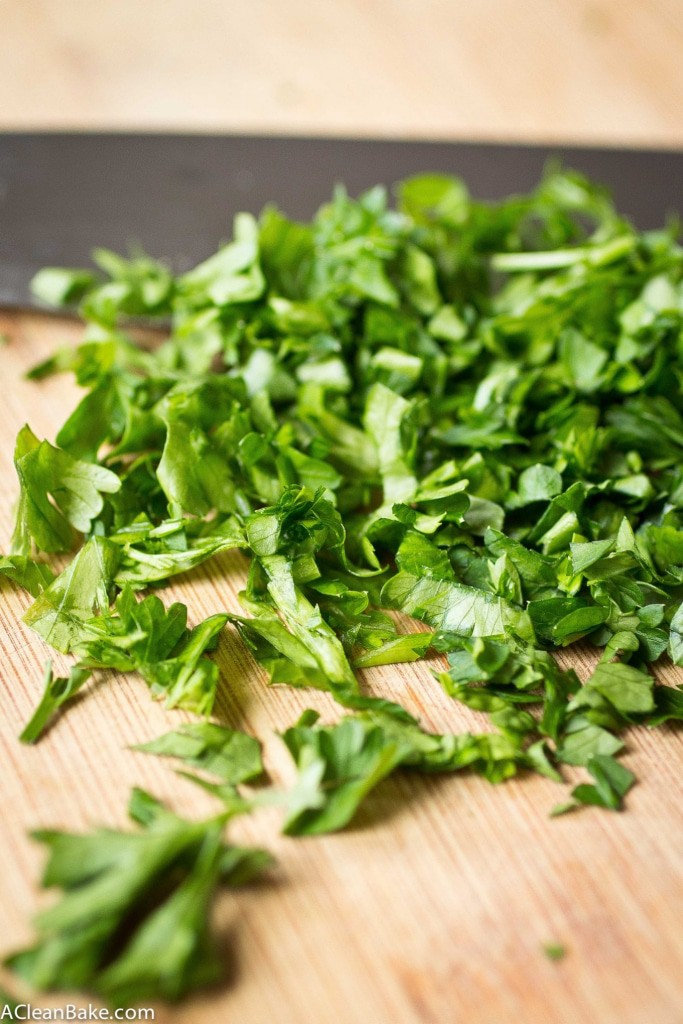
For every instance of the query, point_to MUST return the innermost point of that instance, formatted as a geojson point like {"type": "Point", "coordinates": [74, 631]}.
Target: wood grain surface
{"type": "Point", "coordinates": [569, 70]}
{"type": "Point", "coordinates": [433, 907]}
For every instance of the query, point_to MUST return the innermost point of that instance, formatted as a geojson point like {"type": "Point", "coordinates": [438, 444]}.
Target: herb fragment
{"type": "Point", "coordinates": [612, 782]}
{"type": "Point", "coordinates": [132, 922]}
{"type": "Point", "coordinates": [230, 755]}
{"type": "Point", "coordinates": [76, 489]}
{"type": "Point", "coordinates": [554, 951]}
{"type": "Point", "coordinates": [22, 570]}
{"type": "Point", "coordinates": [337, 767]}
{"type": "Point", "coordinates": [56, 693]}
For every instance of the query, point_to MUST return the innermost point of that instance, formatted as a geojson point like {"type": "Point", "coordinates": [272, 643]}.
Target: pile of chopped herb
{"type": "Point", "coordinates": [470, 413]}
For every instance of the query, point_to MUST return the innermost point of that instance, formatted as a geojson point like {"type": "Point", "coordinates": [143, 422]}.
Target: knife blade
{"type": "Point", "coordinates": [62, 194]}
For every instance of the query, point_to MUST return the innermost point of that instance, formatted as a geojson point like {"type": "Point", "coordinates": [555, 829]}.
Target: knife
{"type": "Point", "coordinates": [63, 194]}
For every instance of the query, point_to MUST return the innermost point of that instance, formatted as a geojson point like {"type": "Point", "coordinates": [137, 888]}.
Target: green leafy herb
{"type": "Point", "coordinates": [145, 637]}
{"type": "Point", "coordinates": [32, 576]}
{"type": "Point", "coordinates": [133, 919]}
{"type": "Point", "coordinates": [59, 615]}
{"type": "Point", "coordinates": [627, 689]}
{"type": "Point", "coordinates": [76, 489]}
{"type": "Point", "coordinates": [230, 755]}
{"type": "Point", "coordinates": [466, 412]}
{"type": "Point", "coordinates": [612, 782]}
{"type": "Point", "coordinates": [337, 767]}
{"type": "Point", "coordinates": [57, 692]}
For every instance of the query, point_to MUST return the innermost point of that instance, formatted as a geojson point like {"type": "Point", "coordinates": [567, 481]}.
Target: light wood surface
{"type": "Point", "coordinates": [593, 70]}
{"type": "Point", "coordinates": [432, 909]}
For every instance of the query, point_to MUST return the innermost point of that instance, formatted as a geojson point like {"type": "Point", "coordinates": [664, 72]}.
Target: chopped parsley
{"type": "Point", "coordinates": [468, 412]}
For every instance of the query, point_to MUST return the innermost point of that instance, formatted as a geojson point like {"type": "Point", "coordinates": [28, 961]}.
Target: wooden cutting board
{"type": "Point", "coordinates": [433, 907]}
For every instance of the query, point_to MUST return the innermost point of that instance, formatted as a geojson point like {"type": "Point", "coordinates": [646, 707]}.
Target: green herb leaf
{"type": "Point", "coordinates": [612, 782]}
{"type": "Point", "coordinates": [133, 920]}
{"type": "Point", "coordinates": [337, 767]}
{"type": "Point", "coordinates": [32, 576]}
{"type": "Point", "coordinates": [75, 487]}
{"type": "Point", "coordinates": [230, 755]}
{"type": "Point", "coordinates": [57, 692]}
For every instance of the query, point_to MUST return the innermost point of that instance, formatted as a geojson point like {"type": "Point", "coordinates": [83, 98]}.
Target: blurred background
{"type": "Point", "coordinates": [596, 71]}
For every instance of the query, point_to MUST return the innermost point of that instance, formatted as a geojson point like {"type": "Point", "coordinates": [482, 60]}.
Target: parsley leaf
{"type": "Point", "coordinates": [57, 692]}
{"type": "Point", "coordinates": [59, 615]}
{"type": "Point", "coordinates": [612, 782]}
{"type": "Point", "coordinates": [229, 754]}
{"type": "Point", "coordinates": [32, 576]}
{"type": "Point", "coordinates": [133, 919]}
{"type": "Point", "coordinates": [145, 637]}
{"type": "Point", "coordinates": [75, 487]}
{"type": "Point", "coordinates": [337, 767]}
